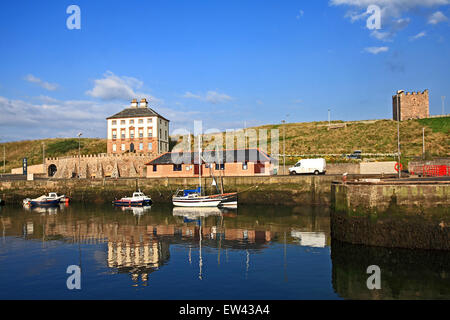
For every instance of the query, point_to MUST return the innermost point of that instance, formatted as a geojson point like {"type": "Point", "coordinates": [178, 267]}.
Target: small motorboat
{"type": "Point", "coordinates": [61, 198]}
{"type": "Point", "coordinates": [42, 201]}
{"type": "Point", "coordinates": [137, 200]}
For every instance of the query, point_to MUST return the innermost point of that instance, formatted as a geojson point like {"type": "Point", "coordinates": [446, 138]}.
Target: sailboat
{"type": "Point", "coordinates": [194, 198]}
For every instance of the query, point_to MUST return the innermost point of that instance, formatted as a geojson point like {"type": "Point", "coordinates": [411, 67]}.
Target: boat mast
{"type": "Point", "coordinates": [200, 162]}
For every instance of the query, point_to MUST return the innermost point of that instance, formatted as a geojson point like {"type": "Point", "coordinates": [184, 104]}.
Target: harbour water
{"type": "Point", "coordinates": [255, 252]}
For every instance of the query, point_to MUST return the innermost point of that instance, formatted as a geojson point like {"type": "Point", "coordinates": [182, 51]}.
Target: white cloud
{"type": "Point", "coordinates": [113, 87]}
{"type": "Point", "coordinates": [376, 50]}
{"type": "Point", "coordinates": [418, 36]}
{"type": "Point", "coordinates": [437, 17]}
{"type": "Point", "coordinates": [300, 14]}
{"type": "Point", "coordinates": [41, 83]}
{"type": "Point", "coordinates": [213, 97]}
{"type": "Point", "coordinates": [391, 13]}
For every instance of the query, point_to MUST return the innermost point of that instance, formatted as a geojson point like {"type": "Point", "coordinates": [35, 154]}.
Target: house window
{"type": "Point", "coordinates": [122, 135]}
{"type": "Point", "coordinates": [155, 168]}
{"type": "Point", "coordinates": [177, 167]}
{"type": "Point", "coordinates": [123, 147]}
{"type": "Point", "coordinates": [244, 165]}
{"type": "Point", "coordinates": [149, 120]}
{"type": "Point", "coordinates": [150, 132]}
{"type": "Point", "coordinates": [141, 146]}
{"type": "Point", "coordinates": [122, 121]}
{"type": "Point", "coordinates": [166, 135]}
{"type": "Point", "coordinates": [220, 166]}
{"type": "Point", "coordinates": [141, 121]}
{"type": "Point", "coordinates": [150, 146]}
{"type": "Point", "coordinates": [114, 134]}
{"type": "Point", "coordinates": [131, 134]}
{"type": "Point", "coordinates": [114, 122]}
{"type": "Point", "coordinates": [131, 121]}
{"type": "Point", "coordinates": [114, 147]}
{"type": "Point", "coordinates": [141, 133]}
{"type": "Point", "coordinates": [160, 135]}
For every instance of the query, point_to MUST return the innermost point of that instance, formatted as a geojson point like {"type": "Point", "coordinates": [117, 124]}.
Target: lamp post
{"type": "Point", "coordinates": [329, 117]}
{"type": "Point", "coordinates": [284, 145]}
{"type": "Point", "coordinates": [443, 105]}
{"type": "Point", "coordinates": [43, 157]}
{"type": "Point", "coordinates": [79, 153]}
{"type": "Point", "coordinates": [398, 137]}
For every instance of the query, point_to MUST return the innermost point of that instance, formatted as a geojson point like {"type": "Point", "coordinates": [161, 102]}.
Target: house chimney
{"type": "Point", "coordinates": [134, 103]}
{"type": "Point", "coordinates": [143, 103]}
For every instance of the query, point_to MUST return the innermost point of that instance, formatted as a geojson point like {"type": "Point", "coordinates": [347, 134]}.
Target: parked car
{"type": "Point", "coordinates": [315, 166]}
{"type": "Point", "coordinates": [356, 155]}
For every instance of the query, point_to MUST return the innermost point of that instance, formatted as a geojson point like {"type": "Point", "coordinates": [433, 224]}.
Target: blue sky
{"type": "Point", "coordinates": [228, 63]}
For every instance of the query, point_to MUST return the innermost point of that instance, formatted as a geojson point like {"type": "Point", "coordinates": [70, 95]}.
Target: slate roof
{"type": "Point", "coordinates": [224, 156]}
{"type": "Point", "coordinates": [135, 113]}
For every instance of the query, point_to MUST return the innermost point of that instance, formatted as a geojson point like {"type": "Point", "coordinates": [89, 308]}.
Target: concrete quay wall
{"type": "Point", "coordinates": [392, 214]}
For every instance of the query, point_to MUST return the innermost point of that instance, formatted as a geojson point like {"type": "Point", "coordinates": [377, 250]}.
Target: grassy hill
{"type": "Point", "coordinates": [369, 136]}
{"type": "Point", "coordinates": [32, 149]}
{"type": "Point", "coordinates": [378, 136]}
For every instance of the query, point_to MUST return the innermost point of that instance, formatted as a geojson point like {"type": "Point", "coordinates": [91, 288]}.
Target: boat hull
{"type": "Point", "coordinates": [44, 203]}
{"type": "Point", "coordinates": [140, 203]}
{"type": "Point", "coordinates": [196, 202]}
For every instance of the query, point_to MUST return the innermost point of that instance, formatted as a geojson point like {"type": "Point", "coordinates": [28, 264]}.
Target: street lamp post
{"type": "Point", "coordinates": [398, 137]}
{"type": "Point", "coordinates": [329, 117]}
{"type": "Point", "coordinates": [443, 105]}
{"type": "Point", "coordinates": [284, 145]}
{"type": "Point", "coordinates": [79, 153]}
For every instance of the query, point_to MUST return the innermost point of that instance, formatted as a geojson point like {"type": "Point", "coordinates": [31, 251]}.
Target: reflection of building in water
{"type": "Point", "coordinates": [139, 258]}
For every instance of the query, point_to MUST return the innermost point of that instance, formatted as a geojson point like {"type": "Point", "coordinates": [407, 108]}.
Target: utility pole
{"type": "Point", "coordinates": [43, 157]}
{"type": "Point", "coordinates": [284, 145]}
{"type": "Point", "coordinates": [329, 117]}
{"type": "Point", "coordinates": [4, 158]}
{"type": "Point", "coordinates": [79, 153]}
{"type": "Point", "coordinates": [423, 143]}
{"type": "Point", "coordinates": [398, 137]}
{"type": "Point", "coordinates": [443, 105]}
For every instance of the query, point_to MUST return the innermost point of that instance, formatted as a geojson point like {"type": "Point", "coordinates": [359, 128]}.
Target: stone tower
{"type": "Point", "coordinates": [412, 105]}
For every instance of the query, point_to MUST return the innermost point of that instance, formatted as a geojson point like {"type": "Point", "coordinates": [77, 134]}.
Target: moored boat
{"type": "Point", "coordinates": [42, 201]}
{"type": "Point", "coordinates": [193, 198]}
{"type": "Point", "coordinates": [138, 199]}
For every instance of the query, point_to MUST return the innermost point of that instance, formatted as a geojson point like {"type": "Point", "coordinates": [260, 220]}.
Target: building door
{"type": "Point", "coordinates": [196, 169]}
{"type": "Point", "coordinates": [52, 170]}
{"type": "Point", "coordinates": [132, 147]}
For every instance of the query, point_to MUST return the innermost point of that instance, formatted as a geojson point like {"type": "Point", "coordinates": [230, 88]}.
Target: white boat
{"type": "Point", "coordinates": [61, 198]}
{"type": "Point", "coordinates": [138, 199]}
{"type": "Point", "coordinates": [195, 200]}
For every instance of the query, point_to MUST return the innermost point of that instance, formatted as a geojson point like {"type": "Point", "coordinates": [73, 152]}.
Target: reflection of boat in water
{"type": "Point", "coordinates": [45, 210]}
{"type": "Point", "coordinates": [190, 212]}
{"type": "Point", "coordinates": [137, 211]}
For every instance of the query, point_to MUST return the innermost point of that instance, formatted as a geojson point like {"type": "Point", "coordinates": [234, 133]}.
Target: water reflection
{"type": "Point", "coordinates": [245, 251]}
{"type": "Point", "coordinates": [405, 274]}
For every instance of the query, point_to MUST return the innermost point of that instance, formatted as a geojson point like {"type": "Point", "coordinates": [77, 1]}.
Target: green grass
{"type": "Point", "coordinates": [437, 124]}
{"type": "Point", "coordinates": [32, 150]}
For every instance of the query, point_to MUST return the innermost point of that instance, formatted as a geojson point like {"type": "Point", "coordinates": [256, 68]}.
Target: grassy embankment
{"type": "Point", "coordinates": [301, 138]}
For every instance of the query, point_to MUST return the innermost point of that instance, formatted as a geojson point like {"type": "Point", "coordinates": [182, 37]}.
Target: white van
{"type": "Point", "coordinates": [316, 166]}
